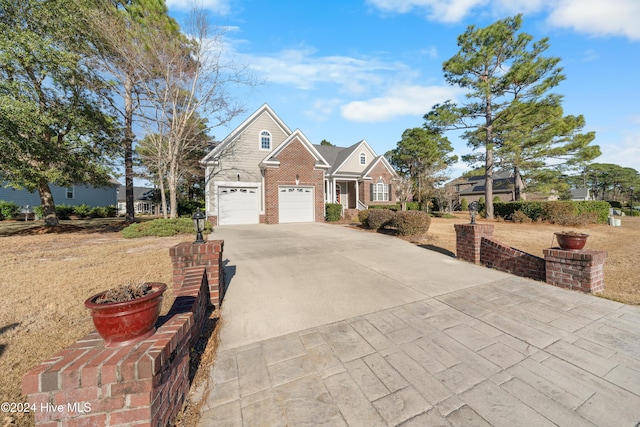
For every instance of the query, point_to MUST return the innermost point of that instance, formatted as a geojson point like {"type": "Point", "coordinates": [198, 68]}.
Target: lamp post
{"type": "Point", "coordinates": [473, 210]}
{"type": "Point", "coordinates": [198, 225]}
{"type": "Point", "coordinates": [631, 202]}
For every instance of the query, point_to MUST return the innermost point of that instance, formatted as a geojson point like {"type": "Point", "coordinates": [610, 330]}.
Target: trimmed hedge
{"type": "Point", "coordinates": [379, 218]}
{"type": "Point", "coordinates": [162, 228]}
{"type": "Point", "coordinates": [556, 211]}
{"type": "Point", "coordinates": [389, 207]}
{"type": "Point", "coordinates": [411, 223]}
{"type": "Point", "coordinates": [333, 211]}
{"type": "Point", "coordinates": [363, 217]}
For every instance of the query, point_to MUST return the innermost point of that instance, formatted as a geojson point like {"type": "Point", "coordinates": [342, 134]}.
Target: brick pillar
{"type": "Point", "coordinates": [209, 255]}
{"type": "Point", "coordinates": [581, 270]}
{"type": "Point", "coordinates": [468, 239]}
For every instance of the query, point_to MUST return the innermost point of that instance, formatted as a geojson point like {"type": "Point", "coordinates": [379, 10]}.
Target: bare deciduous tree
{"type": "Point", "coordinates": [191, 79]}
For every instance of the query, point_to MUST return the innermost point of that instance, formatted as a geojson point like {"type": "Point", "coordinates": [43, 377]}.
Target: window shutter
{"type": "Point", "coordinates": [390, 192]}
{"type": "Point", "coordinates": [371, 192]}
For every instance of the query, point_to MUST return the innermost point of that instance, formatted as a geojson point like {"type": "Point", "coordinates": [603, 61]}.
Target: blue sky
{"type": "Point", "coordinates": [346, 70]}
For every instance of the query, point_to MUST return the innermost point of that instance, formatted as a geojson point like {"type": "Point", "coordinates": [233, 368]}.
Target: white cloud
{"type": "Point", "coordinates": [625, 153]}
{"type": "Point", "coordinates": [322, 109]}
{"type": "Point", "coordinates": [597, 17]}
{"type": "Point", "coordinates": [399, 101]}
{"type": "Point", "coordinates": [439, 10]}
{"type": "Point", "coordinates": [218, 6]}
{"type": "Point", "coordinates": [301, 69]}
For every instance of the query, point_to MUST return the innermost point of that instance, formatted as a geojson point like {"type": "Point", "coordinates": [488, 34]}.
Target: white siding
{"type": "Point", "coordinates": [352, 164]}
{"type": "Point", "coordinates": [242, 158]}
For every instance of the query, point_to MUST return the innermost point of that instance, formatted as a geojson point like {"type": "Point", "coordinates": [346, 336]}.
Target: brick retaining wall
{"type": "Point", "coordinates": [143, 384]}
{"type": "Point", "coordinates": [581, 270]}
{"type": "Point", "coordinates": [494, 254]}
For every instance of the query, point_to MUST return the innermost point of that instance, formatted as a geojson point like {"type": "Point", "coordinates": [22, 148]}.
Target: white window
{"type": "Point", "coordinates": [70, 193]}
{"type": "Point", "coordinates": [363, 159]}
{"type": "Point", "coordinates": [380, 192]}
{"type": "Point", "coordinates": [265, 140]}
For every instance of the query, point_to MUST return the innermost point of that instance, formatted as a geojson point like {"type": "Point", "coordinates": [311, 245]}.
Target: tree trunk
{"type": "Point", "coordinates": [488, 184]}
{"type": "Point", "coordinates": [517, 184]}
{"type": "Point", "coordinates": [48, 205]}
{"type": "Point", "coordinates": [163, 196]}
{"type": "Point", "coordinates": [128, 151]}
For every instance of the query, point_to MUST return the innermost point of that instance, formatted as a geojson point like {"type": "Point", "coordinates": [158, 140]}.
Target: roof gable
{"type": "Point", "coordinates": [385, 163]}
{"type": "Point", "coordinates": [347, 154]}
{"type": "Point", "coordinates": [233, 136]}
{"type": "Point", "coordinates": [272, 158]}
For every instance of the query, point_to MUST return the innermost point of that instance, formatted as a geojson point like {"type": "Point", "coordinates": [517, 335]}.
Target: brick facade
{"type": "Point", "coordinates": [377, 172]}
{"type": "Point", "coordinates": [141, 384]}
{"type": "Point", "coordinates": [295, 161]}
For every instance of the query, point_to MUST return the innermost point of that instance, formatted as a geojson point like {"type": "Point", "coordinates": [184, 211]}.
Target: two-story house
{"type": "Point", "coordinates": [263, 172]}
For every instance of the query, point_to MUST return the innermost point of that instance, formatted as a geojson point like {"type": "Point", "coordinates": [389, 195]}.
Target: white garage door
{"type": "Point", "coordinates": [238, 205]}
{"type": "Point", "coordinates": [296, 204]}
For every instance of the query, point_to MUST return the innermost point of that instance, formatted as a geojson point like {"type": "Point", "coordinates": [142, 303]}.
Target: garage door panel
{"type": "Point", "coordinates": [238, 205]}
{"type": "Point", "coordinates": [296, 204]}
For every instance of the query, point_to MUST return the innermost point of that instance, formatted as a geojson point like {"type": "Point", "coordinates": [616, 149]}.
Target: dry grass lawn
{"type": "Point", "coordinates": [622, 269]}
{"type": "Point", "coordinates": [46, 278]}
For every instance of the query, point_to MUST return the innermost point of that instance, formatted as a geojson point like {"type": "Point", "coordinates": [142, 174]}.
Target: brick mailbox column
{"type": "Point", "coordinates": [209, 255]}
{"type": "Point", "coordinates": [581, 270]}
{"type": "Point", "coordinates": [469, 238]}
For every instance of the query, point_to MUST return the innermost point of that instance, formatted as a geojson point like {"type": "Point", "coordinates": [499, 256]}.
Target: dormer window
{"type": "Point", "coordinates": [363, 159]}
{"type": "Point", "coordinates": [265, 140]}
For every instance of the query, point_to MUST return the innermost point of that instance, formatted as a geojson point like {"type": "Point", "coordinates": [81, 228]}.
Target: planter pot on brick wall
{"type": "Point", "coordinates": [571, 241]}
{"type": "Point", "coordinates": [128, 322]}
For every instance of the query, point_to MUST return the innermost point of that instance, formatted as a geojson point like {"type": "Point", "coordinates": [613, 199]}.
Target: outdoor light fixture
{"type": "Point", "coordinates": [198, 225]}
{"type": "Point", "coordinates": [473, 210]}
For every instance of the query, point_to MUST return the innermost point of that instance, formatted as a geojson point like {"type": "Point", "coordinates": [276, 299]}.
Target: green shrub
{"type": "Point", "coordinates": [39, 211]}
{"type": "Point", "coordinates": [464, 204]}
{"type": "Point", "coordinates": [8, 209]}
{"type": "Point", "coordinates": [411, 223]}
{"type": "Point", "coordinates": [520, 217]}
{"type": "Point", "coordinates": [497, 199]}
{"type": "Point", "coordinates": [64, 211]}
{"type": "Point", "coordinates": [379, 218]}
{"type": "Point", "coordinates": [82, 210]}
{"type": "Point", "coordinates": [333, 212]}
{"type": "Point", "coordinates": [189, 207]}
{"type": "Point", "coordinates": [414, 206]}
{"type": "Point", "coordinates": [389, 207]}
{"type": "Point", "coordinates": [162, 228]}
{"type": "Point", "coordinates": [363, 217]}
{"type": "Point", "coordinates": [598, 207]}
{"type": "Point", "coordinates": [532, 210]}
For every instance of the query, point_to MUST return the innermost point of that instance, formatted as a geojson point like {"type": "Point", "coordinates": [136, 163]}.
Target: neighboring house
{"type": "Point", "coordinates": [263, 172]}
{"type": "Point", "coordinates": [472, 188]}
{"type": "Point", "coordinates": [143, 201]}
{"type": "Point", "coordinates": [74, 195]}
{"type": "Point", "coordinates": [580, 194]}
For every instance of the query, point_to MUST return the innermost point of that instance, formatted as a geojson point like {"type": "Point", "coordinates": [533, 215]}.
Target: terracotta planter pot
{"type": "Point", "coordinates": [571, 241]}
{"type": "Point", "coordinates": [129, 322]}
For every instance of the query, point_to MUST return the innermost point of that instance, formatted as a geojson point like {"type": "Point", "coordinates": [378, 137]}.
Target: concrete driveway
{"type": "Point", "coordinates": [291, 277]}
{"type": "Point", "coordinates": [327, 325]}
